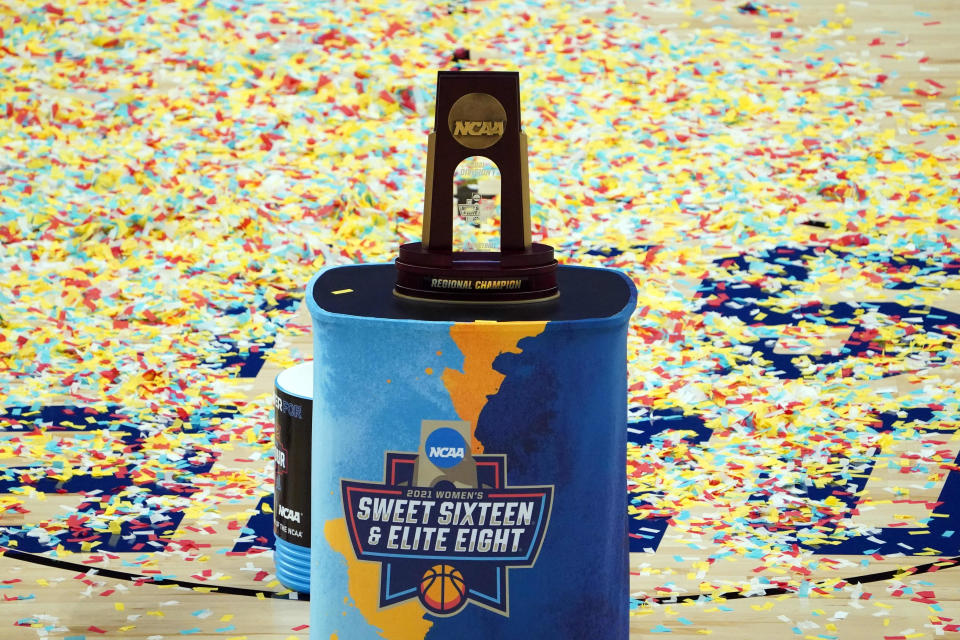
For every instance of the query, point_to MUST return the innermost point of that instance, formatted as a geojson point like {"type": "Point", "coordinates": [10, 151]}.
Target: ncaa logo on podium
{"type": "Point", "coordinates": [445, 448]}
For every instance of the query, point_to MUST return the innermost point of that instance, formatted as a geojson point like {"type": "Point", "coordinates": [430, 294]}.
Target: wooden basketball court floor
{"type": "Point", "coordinates": [814, 497]}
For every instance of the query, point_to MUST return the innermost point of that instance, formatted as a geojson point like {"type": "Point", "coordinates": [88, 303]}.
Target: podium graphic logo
{"type": "Point", "coordinates": [477, 120]}
{"type": "Point", "coordinates": [445, 447]}
{"type": "Point", "coordinates": [444, 525]}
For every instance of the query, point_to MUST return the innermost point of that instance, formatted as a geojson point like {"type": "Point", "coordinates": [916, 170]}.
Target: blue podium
{"type": "Point", "coordinates": [468, 462]}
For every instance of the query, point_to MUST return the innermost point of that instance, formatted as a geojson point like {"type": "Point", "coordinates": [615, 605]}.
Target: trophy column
{"type": "Point", "coordinates": [477, 115]}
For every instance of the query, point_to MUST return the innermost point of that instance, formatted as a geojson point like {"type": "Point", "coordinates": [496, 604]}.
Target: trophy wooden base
{"type": "Point", "coordinates": [476, 277]}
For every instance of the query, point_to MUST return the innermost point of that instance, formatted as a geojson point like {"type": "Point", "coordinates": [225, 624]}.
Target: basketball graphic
{"type": "Point", "coordinates": [442, 589]}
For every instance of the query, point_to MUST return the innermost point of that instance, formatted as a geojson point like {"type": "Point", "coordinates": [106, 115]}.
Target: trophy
{"type": "Point", "coordinates": [477, 135]}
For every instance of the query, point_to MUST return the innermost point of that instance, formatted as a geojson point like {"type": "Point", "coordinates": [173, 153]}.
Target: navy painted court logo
{"type": "Point", "coordinates": [446, 544]}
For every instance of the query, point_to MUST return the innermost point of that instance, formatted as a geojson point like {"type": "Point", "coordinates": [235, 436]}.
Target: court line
{"type": "Point", "coordinates": [56, 563]}
{"type": "Point", "coordinates": [946, 563]}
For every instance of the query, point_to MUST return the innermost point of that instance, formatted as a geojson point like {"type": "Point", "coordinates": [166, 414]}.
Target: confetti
{"type": "Point", "coordinates": [173, 175]}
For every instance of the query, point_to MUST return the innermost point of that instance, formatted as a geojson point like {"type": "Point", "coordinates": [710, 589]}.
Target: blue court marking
{"type": "Point", "coordinates": [137, 532]}
{"type": "Point", "coordinates": [249, 362]}
{"type": "Point", "coordinates": [258, 532]}
{"type": "Point", "coordinates": [745, 300]}
{"type": "Point", "coordinates": [787, 265]}
{"type": "Point", "coordinates": [647, 532]}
